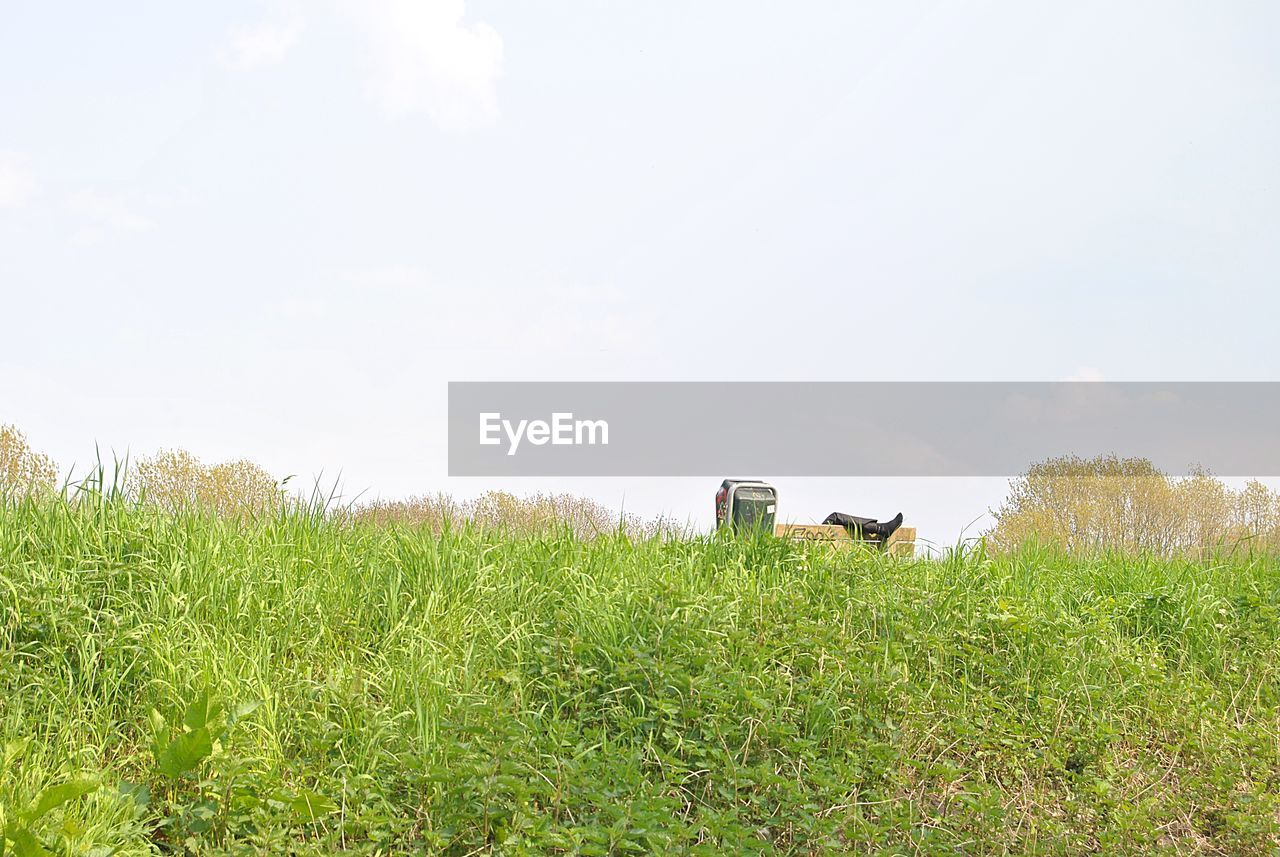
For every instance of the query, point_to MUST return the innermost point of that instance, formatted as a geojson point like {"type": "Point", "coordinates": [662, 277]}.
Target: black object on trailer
{"type": "Point", "coordinates": [868, 529]}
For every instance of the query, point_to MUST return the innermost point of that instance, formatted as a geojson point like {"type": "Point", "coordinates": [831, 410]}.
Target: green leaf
{"type": "Point", "coordinates": [309, 806]}
{"type": "Point", "coordinates": [13, 751]}
{"type": "Point", "coordinates": [25, 844]}
{"type": "Point", "coordinates": [138, 793]}
{"type": "Point", "coordinates": [244, 709]}
{"type": "Point", "coordinates": [201, 816]}
{"type": "Point", "coordinates": [202, 711]}
{"type": "Point", "coordinates": [184, 753]}
{"type": "Point", "coordinates": [56, 796]}
{"type": "Point", "coordinates": [159, 731]}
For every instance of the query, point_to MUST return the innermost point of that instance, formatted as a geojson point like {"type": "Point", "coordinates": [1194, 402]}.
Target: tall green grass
{"type": "Point", "coordinates": [398, 691]}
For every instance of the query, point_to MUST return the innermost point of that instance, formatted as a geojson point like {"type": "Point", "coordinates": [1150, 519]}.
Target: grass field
{"type": "Point", "coordinates": [299, 685]}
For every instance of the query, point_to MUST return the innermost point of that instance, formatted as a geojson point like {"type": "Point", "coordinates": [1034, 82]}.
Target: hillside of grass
{"type": "Point", "coordinates": [295, 685]}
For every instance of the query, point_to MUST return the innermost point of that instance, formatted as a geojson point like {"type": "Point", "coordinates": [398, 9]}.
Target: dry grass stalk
{"type": "Point", "coordinates": [22, 469]}
{"type": "Point", "coordinates": [176, 480]}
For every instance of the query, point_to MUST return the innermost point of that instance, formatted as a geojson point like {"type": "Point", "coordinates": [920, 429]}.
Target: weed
{"type": "Point", "coordinates": [471, 691]}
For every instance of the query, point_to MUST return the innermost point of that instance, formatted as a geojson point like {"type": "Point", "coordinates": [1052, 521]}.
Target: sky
{"type": "Point", "coordinates": [276, 230]}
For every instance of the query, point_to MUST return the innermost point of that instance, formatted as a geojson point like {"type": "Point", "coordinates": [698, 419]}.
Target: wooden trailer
{"type": "Point", "coordinates": [901, 543]}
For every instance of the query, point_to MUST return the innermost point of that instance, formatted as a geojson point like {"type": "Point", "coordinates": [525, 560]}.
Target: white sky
{"type": "Point", "coordinates": [276, 230]}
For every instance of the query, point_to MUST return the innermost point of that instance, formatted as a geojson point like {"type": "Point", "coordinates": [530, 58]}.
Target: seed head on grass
{"type": "Point", "coordinates": [175, 480]}
{"type": "Point", "coordinates": [23, 470]}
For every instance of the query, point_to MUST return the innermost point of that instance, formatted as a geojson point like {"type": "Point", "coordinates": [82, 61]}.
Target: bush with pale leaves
{"type": "Point", "coordinates": [176, 480]}
{"type": "Point", "coordinates": [1109, 503]}
{"type": "Point", "coordinates": [501, 511]}
{"type": "Point", "coordinates": [22, 469]}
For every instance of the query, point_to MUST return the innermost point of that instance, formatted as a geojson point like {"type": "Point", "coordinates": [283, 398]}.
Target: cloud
{"type": "Point", "coordinates": [426, 58]}
{"type": "Point", "coordinates": [17, 181]}
{"type": "Point", "coordinates": [103, 216]}
{"type": "Point", "coordinates": [422, 55]}
{"type": "Point", "coordinates": [409, 308]}
{"type": "Point", "coordinates": [1085, 373]}
{"type": "Point", "coordinates": [261, 44]}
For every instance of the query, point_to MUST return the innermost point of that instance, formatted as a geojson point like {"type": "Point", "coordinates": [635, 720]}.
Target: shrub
{"type": "Point", "coordinates": [22, 469]}
{"type": "Point", "coordinates": [433, 511]}
{"type": "Point", "coordinates": [505, 512]}
{"type": "Point", "coordinates": [1110, 503]}
{"type": "Point", "coordinates": [499, 510]}
{"type": "Point", "coordinates": [175, 480]}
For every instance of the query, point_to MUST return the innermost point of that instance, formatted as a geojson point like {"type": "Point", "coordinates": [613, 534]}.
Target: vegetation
{"type": "Point", "coordinates": [190, 662]}
{"type": "Point", "coordinates": [288, 683]}
{"type": "Point", "coordinates": [501, 511]}
{"type": "Point", "coordinates": [1083, 507]}
{"type": "Point", "coordinates": [22, 469]}
{"type": "Point", "coordinates": [175, 480]}
{"type": "Point", "coordinates": [1087, 506]}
